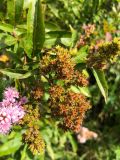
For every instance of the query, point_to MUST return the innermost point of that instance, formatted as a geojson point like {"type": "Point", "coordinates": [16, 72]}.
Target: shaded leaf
{"type": "Point", "coordinates": [11, 11]}
{"type": "Point", "coordinates": [72, 141]}
{"type": "Point", "coordinates": [18, 9]}
{"type": "Point", "coordinates": [7, 40]}
{"type": "Point", "coordinates": [51, 27]}
{"type": "Point", "coordinates": [39, 28]}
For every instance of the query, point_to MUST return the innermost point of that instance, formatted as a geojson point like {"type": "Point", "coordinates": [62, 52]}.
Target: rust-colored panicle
{"type": "Point", "coordinates": [32, 135]}
{"type": "Point", "coordinates": [70, 107]}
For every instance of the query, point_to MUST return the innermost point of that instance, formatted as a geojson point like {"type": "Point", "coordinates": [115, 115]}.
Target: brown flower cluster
{"type": "Point", "coordinates": [88, 31]}
{"type": "Point", "coordinates": [103, 53]}
{"type": "Point", "coordinates": [37, 93]}
{"type": "Point", "coordinates": [58, 64]}
{"type": "Point", "coordinates": [32, 135]}
{"type": "Point", "coordinates": [68, 106]}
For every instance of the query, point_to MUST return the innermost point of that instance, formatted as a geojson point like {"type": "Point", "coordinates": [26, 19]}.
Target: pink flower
{"type": "Point", "coordinates": [16, 113]}
{"type": "Point", "coordinates": [108, 36]}
{"type": "Point", "coordinates": [6, 103]}
{"type": "Point", "coordinates": [5, 121]}
{"type": "Point", "coordinates": [11, 110]}
{"type": "Point", "coordinates": [11, 94]}
{"type": "Point", "coordinates": [85, 134]}
{"type": "Point", "coordinates": [23, 100]}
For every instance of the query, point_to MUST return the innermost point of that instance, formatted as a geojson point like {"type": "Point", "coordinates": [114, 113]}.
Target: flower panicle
{"type": "Point", "coordinates": [11, 110]}
{"type": "Point", "coordinates": [70, 107]}
{"type": "Point", "coordinates": [103, 53]}
{"type": "Point", "coordinates": [61, 66]}
{"type": "Point", "coordinates": [32, 135]}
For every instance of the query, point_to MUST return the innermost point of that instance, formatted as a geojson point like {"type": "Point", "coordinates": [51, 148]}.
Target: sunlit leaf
{"type": "Point", "coordinates": [15, 75]}
{"type": "Point", "coordinates": [101, 81]}
{"type": "Point", "coordinates": [11, 146]}
{"type": "Point", "coordinates": [6, 27]}
{"type": "Point", "coordinates": [81, 55]}
{"type": "Point", "coordinates": [50, 151]}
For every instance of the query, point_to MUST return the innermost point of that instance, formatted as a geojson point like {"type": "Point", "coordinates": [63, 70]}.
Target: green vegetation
{"type": "Point", "coordinates": [64, 57]}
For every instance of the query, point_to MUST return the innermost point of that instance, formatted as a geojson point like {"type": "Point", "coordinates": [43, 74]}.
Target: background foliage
{"type": "Point", "coordinates": [27, 28]}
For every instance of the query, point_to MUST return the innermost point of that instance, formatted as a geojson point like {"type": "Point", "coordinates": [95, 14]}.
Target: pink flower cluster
{"type": "Point", "coordinates": [11, 110]}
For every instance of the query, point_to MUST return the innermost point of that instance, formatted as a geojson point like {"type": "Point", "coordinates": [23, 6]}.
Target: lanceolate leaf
{"type": "Point", "coordinates": [14, 10]}
{"type": "Point", "coordinates": [39, 29]}
{"type": "Point", "coordinates": [11, 11]}
{"type": "Point", "coordinates": [72, 141]}
{"type": "Point", "coordinates": [15, 75]}
{"type": "Point", "coordinates": [28, 43]}
{"type": "Point", "coordinates": [101, 81]}
{"type": "Point", "coordinates": [9, 28]}
{"type": "Point", "coordinates": [74, 37]}
{"type": "Point", "coordinates": [18, 9]}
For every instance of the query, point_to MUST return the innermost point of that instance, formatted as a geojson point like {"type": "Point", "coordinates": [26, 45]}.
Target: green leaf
{"type": "Point", "coordinates": [26, 43]}
{"type": "Point", "coordinates": [85, 91]}
{"type": "Point", "coordinates": [50, 42]}
{"type": "Point", "coordinates": [14, 10]}
{"type": "Point", "coordinates": [23, 153]}
{"type": "Point", "coordinates": [7, 40]}
{"type": "Point", "coordinates": [30, 17]}
{"type": "Point", "coordinates": [41, 157]}
{"type": "Point", "coordinates": [28, 40]}
{"type": "Point", "coordinates": [18, 9]}
{"type": "Point", "coordinates": [11, 146]}
{"type": "Point", "coordinates": [39, 28]}
{"type": "Point", "coordinates": [11, 74]}
{"type": "Point", "coordinates": [66, 41]}
{"type": "Point", "coordinates": [74, 37]}
{"type": "Point", "coordinates": [13, 56]}
{"type": "Point", "coordinates": [6, 27]}
{"type": "Point", "coordinates": [51, 27]}
{"type": "Point", "coordinates": [11, 11]}
{"type": "Point", "coordinates": [117, 152]}
{"type": "Point", "coordinates": [50, 151]}
{"type": "Point", "coordinates": [54, 10]}
{"type": "Point", "coordinates": [81, 55]}
{"type": "Point", "coordinates": [9, 28]}
{"type": "Point", "coordinates": [75, 89]}
{"type": "Point", "coordinates": [95, 5]}
{"type": "Point", "coordinates": [56, 36]}
{"type": "Point", "coordinates": [72, 141]}
{"type": "Point", "coordinates": [101, 81]}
